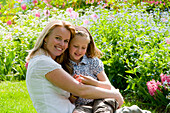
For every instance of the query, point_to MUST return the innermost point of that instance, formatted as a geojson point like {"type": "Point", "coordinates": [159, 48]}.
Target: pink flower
{"type": "Point", "coordinates": [92, 1]}
{"type": "Point", "coordinates": [49, 5]}
{"type": "Point", "coordinates": [167, 40]}
{"type": "Point", "coordinates": [9, 22]}
{"type": "Point", "coordinates": [86, 21]}
{"type": "Point", "coordinates": [158, 84]}
{"type": "Point", "coordinates": [156, 2]}
{"type": "Point", "coordinates": [165, 78]}
{"type": "Point", "coordinates": [152, 86]}
{"type": "Point", "coordinates": [151, 2]}
{"type": "Point", "coordinates": [23, 6]}
{"type": "Point", "coordinates": [20, 1]}
{"type": "Point", "coordinates": [104, 5]}
{"type": "Point", "coordinates": [74, 15]}
{"type": "Point", "coordinates": [46, 1]}
{"type": "Point", "coordinates": [63, 5]}
{"type": "Point", "coordinates": [47, 13]}
{"type": "Point", "coordinates": [26, 65]}
{"type": "Point", "coordinates": [35, 1]}
{"type": "Point", "coordinates": [94, 17]}
{"type": "Point", "coordinates": [164, 3]}
{"type": "Point", "coordinates": [69, 10]}
{"type": "Point", "coordinates": [9, 36]}
{"type": "Point", "coordinates": [37, 14]}
{"type": "Point", "coordinates": [87, 2]}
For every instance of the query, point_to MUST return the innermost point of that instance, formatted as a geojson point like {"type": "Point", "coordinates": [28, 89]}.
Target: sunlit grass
{"type": "Point", "coordinates": [14, 98]}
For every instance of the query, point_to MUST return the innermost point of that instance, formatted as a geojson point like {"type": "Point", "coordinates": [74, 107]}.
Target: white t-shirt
{"type": "Point", "coordinates": [46, 97]}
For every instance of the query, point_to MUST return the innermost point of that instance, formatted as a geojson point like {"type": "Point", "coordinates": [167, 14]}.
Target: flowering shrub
{"type": "Point", "coordinates": [163, 88]}
{"type": "Point", "coordinates": [153, 86]}
{"type": "Point", "coordinates": [135, 44]}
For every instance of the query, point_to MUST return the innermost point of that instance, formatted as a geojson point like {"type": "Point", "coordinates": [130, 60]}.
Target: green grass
{"type": "Point", "coordinates": [14, 98]}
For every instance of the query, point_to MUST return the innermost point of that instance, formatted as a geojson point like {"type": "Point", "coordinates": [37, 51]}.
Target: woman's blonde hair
{"type": "Point", "coordinates": [38, 47]}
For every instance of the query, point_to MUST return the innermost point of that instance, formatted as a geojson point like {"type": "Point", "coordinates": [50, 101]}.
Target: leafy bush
{"type": "Point", "coordinates": [136, 44]}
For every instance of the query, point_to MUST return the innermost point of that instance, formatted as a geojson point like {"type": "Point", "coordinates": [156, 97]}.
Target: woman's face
{"type": "Point", "coordinates": [57, 41]}
{"type": "Point", "coordinates": [78, 47]}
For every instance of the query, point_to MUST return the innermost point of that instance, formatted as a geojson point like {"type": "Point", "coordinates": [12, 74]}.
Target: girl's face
{"type": "Point", "coordinates": [78, 47]}
{"type": "Point", "coordinates": [57, 41]}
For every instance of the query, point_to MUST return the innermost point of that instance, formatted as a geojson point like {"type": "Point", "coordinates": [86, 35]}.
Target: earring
{"type": "Point", "coordinates": [45, 42]}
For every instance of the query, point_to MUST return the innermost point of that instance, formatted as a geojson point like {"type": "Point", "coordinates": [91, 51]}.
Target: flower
{"type": "Point", "coordinates": [48, 5]}
{"type": "Point", "coordinates": [35, 1]}
{"type": "Point", "coordinates": [152, 87]}
{"type": "Point", "coordinates": [69, 10]}
{"type": "Point", "coordinates": [86, 21]}
{"type": "Point", "coordinates": [46, 12]}
{"type": "Point", "coordinates": [23, 6]}
{"type": "Point", "coordinates": [167, 40]}
{"type": "Point", "coordinates": [46, 1]}
{"type": "Point", "coordinates": [26, 65]}
{"type": "Point", "coordinates": [9, 22]}
{"type": "Point", "coordinates": [8, 36]}
{"type": "Point", "coordinates": [20, 1]}
{"type": "Point", "coordinates": [37, 14]}
{"type": "Point", "coordinates": [74, 15]}
{"type": "Point", "coordinates": [94, 17]}
{"type": "Point", "coordinates": [63, 5]}
{"type": "Point", "coordinates": [165, 78]}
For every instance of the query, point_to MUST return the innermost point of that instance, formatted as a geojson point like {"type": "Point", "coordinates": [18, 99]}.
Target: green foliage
{"type": "Point", "coordinates": [133, 43]}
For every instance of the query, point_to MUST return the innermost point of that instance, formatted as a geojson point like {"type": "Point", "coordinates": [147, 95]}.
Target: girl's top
{"type": "Point", "coordinates": [46, 97]}
{"type": "Point", "coordinates": [87, 67]}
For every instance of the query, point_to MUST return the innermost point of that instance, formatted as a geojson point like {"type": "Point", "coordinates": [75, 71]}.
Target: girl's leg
{"type": "Point", "coordinates": [83, 109]}
{"type": "Point", "coordinates": [105, 106]}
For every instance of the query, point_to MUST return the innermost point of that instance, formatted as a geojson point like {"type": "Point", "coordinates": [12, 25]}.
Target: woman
{"type": "Point", "coordinates": [48, 84]}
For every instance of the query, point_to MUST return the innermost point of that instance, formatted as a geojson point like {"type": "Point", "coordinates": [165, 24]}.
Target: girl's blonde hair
{"type": "Point", "coordinates": [38, 47]}
{"type": "Point", "coordinates": [92, 50]}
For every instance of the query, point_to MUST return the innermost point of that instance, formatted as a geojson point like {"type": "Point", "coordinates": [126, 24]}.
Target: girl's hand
{"type": "Point", "coordinates": [88, 80]}
{"type": "Point", "coordinates": [77, 77]}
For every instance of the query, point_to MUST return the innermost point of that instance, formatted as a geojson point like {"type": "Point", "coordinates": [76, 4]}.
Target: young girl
{"type": "Point", "coordinates": [84, 58]}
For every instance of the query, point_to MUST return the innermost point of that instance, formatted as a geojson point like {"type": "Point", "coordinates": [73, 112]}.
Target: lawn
{"type": "Point", "coordinates": [14, 98]}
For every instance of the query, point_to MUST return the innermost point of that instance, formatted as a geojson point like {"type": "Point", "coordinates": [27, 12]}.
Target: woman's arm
{"type": "Point", "coordinates": [63, 80]}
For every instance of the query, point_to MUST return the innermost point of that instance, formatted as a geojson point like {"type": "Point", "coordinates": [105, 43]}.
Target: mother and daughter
{"type": "Point", "coordinates": [63, 50]}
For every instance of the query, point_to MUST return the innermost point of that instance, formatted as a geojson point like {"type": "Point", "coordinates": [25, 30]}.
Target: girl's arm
{"type": "Point", "coordinates": [63, 80]}
{"type": "Point", "coordinates": [102, 81]}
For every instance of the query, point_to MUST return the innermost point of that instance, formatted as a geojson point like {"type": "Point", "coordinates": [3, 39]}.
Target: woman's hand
{"type": "Point", "coordinates": [119, 98]}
